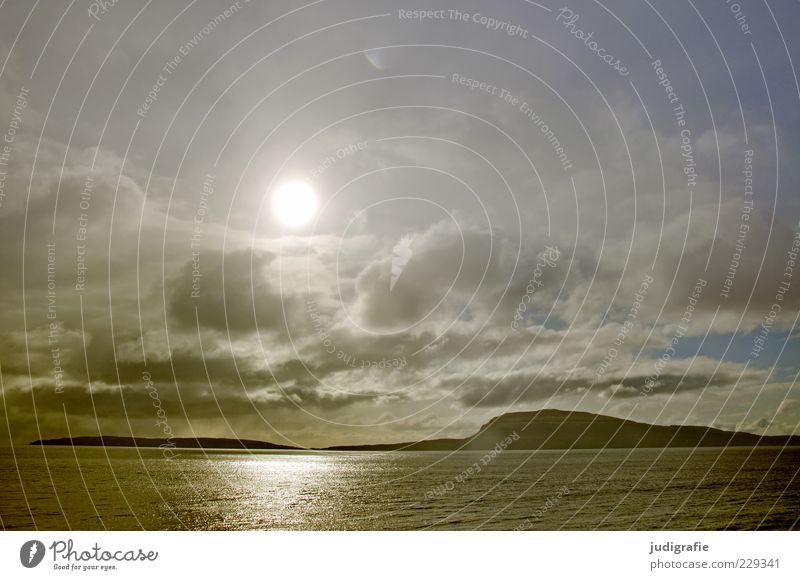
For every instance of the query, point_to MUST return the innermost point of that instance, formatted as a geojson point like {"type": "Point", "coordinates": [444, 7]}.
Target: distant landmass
{"type": "Point", "coordinates": [554, 429]}
{"type": "Point", "coordinates": [530, 430]}
{"type": "Point", "coordinates": [181, 442]}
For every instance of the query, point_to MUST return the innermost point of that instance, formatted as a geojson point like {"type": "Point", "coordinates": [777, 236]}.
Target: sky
{"type": "Point", "coordinates": [515, 206]}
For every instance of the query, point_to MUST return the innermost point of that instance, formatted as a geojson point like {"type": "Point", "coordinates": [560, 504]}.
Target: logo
{"type": "Point", "coordinates": [31, 553]}
{"type": "Point", "coordinates": [401, 254]}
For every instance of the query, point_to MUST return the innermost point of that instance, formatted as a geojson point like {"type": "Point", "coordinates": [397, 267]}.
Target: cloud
{"type": "Point", "coordinates": [287, 330]}
{"type": "Point", "coordinates": [235, 292]}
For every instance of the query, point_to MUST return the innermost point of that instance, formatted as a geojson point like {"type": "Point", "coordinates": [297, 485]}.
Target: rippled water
{"type": "Point", "coordinates": [120, 488]}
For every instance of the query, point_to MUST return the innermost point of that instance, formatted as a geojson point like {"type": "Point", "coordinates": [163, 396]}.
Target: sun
{"type": "Point", "coordinates": [294, 203]}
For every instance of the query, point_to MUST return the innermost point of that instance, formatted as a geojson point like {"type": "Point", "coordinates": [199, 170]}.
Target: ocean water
{"type": "Point", "coordinates": [122, 488]}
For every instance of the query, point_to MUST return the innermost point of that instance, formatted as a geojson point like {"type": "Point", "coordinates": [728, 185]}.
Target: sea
{"type": "Point", "coordinates": [94, 488]}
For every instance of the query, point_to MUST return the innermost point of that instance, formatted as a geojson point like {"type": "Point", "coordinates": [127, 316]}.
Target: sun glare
{"type": "Point", "coordinates": [294, 203]}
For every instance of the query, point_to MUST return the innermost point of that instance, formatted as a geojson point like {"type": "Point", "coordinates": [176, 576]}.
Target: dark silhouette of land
{"type": "Point", "coordinates": [530, 430]}
{"type": "Point", "coordinates": [175, 442]}
{"type": "Point", "coordinates": [554, 429]}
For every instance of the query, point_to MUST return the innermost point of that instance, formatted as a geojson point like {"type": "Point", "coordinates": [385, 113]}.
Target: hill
{"type": "Point", "coordinates": [178, 442]}
{"type": "Point", "coordinates": [555, 429]}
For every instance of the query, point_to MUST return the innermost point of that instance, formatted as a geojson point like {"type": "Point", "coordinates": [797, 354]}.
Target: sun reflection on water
{"type": "Point", "coordinates": [277, 490]}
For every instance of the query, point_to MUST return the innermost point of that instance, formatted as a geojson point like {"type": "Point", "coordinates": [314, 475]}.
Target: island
{"type": "Point", "coordinates": [175, 442]}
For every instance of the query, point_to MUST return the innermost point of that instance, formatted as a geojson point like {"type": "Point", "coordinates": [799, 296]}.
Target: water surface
{"type": "Point", "coordinates": [124, 488]}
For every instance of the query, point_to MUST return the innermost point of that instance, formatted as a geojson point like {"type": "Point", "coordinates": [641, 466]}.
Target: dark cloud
{"type": "Point", "coordinates": [528, 388]}
{"type": "Point", "coordinates": [236, 292]}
